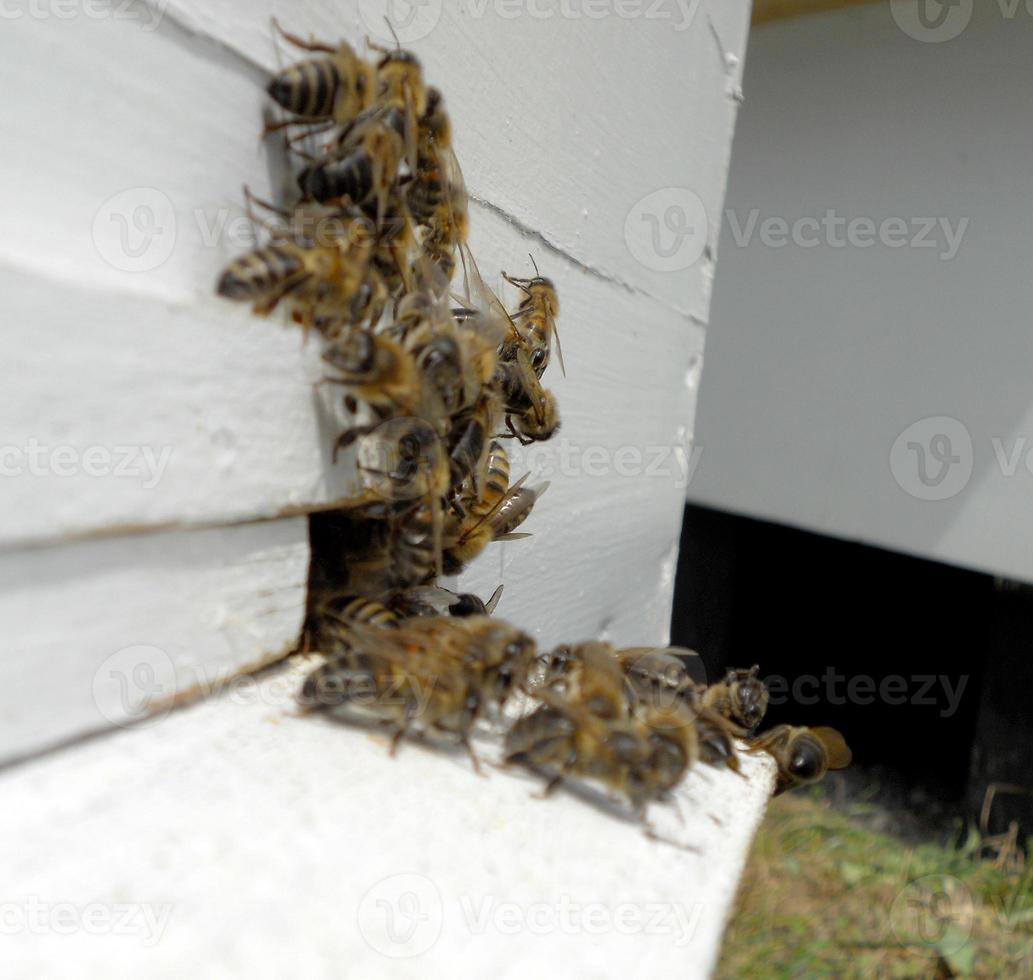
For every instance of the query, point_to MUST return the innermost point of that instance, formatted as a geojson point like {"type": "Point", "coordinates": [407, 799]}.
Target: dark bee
{"type": "Point", "coordinates": [803, 755]}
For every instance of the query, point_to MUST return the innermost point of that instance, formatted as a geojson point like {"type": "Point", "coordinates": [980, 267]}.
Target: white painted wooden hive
{"type": "Point", "coordinates": [162, 448]}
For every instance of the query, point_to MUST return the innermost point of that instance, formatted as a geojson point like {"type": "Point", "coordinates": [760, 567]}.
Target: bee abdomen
{"type": "Point", "coordinates": [415, 551]}
{"type": "Point", "coordinates": [350, 176]}
{"type": "Point", "coordinates": [424, 196]}
{"type": "Point", "coordinates": [308, 89]}
{"type": "Point", "coordinates": [368, 612]}
{"type": "Point", "coordinates": [513, 512]}
{"type": "Point", "coordinates": [497, 482]}
{"type": "Point", "coordinates": [258, 272]}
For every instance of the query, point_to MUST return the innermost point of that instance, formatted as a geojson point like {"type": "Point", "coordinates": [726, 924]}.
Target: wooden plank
{"type": "Point", "coordinates": [236, 835]}
{"type": "Point", "coordinates": [567, 125]}
{"type": "Point", "coordinates": [101, 357]}
{"type": "Point", "coordinates": [99, 633]}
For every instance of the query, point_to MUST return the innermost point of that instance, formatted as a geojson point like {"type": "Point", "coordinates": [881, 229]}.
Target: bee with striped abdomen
{"type": "Point", "coordinates": [330, 90]}
{"type": "Point", "coordinates": [535, 318]}
{"type": "Point", "coordinates": [319, 262]}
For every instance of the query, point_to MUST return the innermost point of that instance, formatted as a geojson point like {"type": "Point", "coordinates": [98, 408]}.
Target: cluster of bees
{"type": "Point", "coordinates": [632, 720]}
{"type": "Point", "coordinates": [436, 380]}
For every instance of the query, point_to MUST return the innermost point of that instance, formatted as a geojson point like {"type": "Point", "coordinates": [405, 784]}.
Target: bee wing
{"type": "Point", "coordinates": [490, 605]}
{"type": "Point", "coordinates": [559, 349]}
{"type": "Point", "coordinates": [432, 595]}
{"type": "Point", "coordinates": [493, 320]}
{"type": "Point", "coordinates": [835, 745]}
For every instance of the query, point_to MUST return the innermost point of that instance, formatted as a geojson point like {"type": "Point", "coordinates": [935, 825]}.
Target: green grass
{"type": "Point", "coordinates": [824, 897]}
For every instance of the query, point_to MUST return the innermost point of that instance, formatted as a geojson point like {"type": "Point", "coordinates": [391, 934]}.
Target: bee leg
{"type": "Point", "coordinates": [550, 787]}
{"type": "Point", "coordinates": [347, 437]}
{"type": "Point", "coordinates": [396, 738]}
{"type": "Point", "coordinates": [474, 761]}
{"type": "Point", "coordinates": [310, 45]}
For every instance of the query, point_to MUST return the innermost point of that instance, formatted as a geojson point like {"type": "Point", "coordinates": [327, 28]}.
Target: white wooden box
{"type": "Point", "coordinates": [161, 446]}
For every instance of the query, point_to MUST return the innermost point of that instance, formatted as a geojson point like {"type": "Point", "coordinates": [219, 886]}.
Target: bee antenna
{"type": "Point", "coordinates": [535, 264]}
{"type": "Point", "coordinates": [391, 28]}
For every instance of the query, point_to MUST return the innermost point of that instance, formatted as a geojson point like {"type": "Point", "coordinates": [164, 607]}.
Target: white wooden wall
{"type": "Point", "coordinates": [881, 390]}
{"type": "Point", "coordinates": [159, 442]}
{"type": "Point", "coordinates": [161, 448]}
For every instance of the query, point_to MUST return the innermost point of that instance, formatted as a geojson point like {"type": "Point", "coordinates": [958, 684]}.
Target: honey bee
{"type": "Point", "coordinates": [433, 600]}
{"type": "Point", "coordinates": [379, 372]}
{"type": "Point", "coordinates": [498, 656]}
{"type": "Point", "coordinates": [560, 739]}
{"type": "Point", "coordinates": [436, 196]}
{"type": "Point", "coordinates": [416, 546]}
{"type": "Point", "coordinates": [467, 536]}
{"type": "Point", "coordinates": [535, 318]}
{"type": "Point", "coordinates": [363, 166]}
{"type": "Point", "coordinates": [466, 451]}
{"type": "Point", "coordinates": [345, 610]}
{"type": "Point", "coordinates": [590, 675]}
{"type": "Point", "coordinates": [803, 755]}
{"type": "Point", "coordinates": [399, 678]}
{"type": "Point", "coordinates": [741, 697]}
{"type": "Point", "coordinates": [660, 677]}
{"type": "Point", "coordinates": [320, 262]}
{"type": "Point", "coordinates": [674, 744]}
{"type": "Point", "coordinates": [531, 412]}
{"type": "Point", "coordinates": [400, 85]}
{"type": "Point", "coordinates": [330, 90]}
